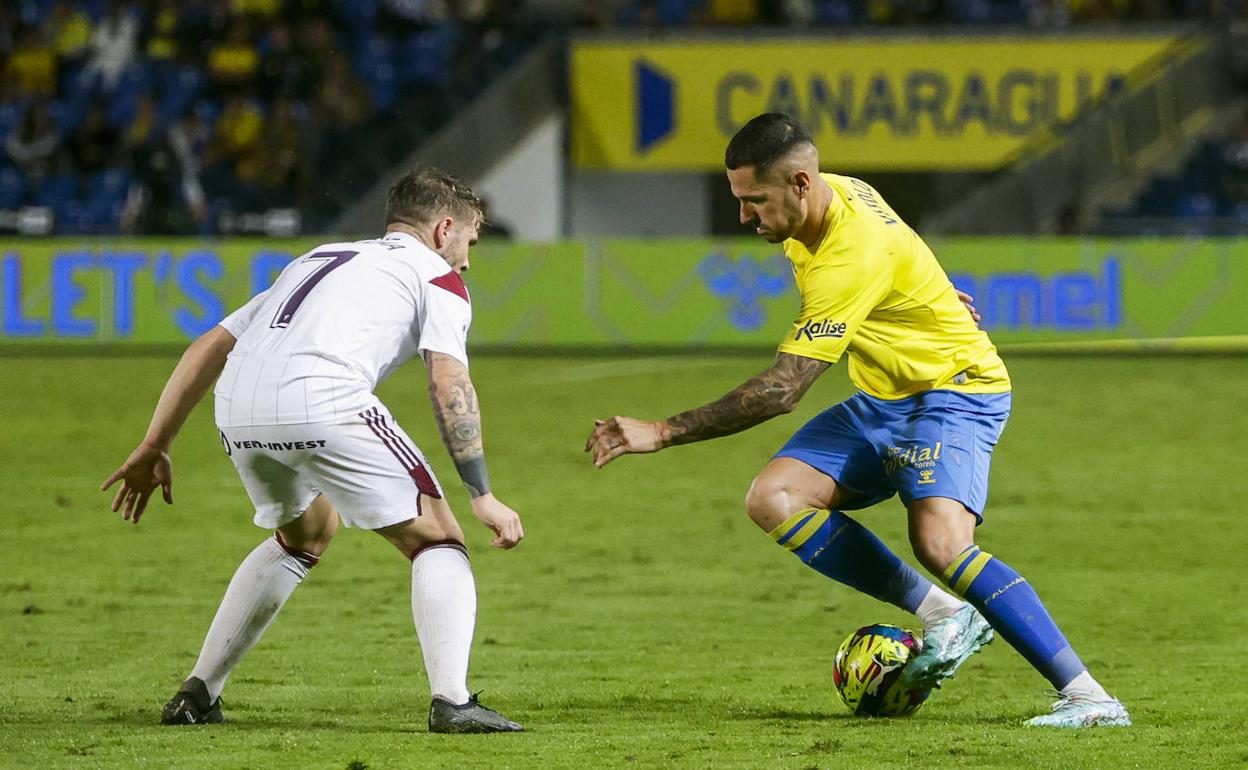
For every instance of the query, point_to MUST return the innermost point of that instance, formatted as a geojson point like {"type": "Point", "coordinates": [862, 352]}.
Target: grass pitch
{"type": "Point", "coordinates": [645, 622]}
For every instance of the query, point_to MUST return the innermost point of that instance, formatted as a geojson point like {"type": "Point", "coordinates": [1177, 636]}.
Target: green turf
{"type": "Point", "coordinates": [645, 622]}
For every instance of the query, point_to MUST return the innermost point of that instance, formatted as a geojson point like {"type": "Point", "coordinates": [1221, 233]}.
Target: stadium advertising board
{"type": "Point", "coordinates": [888, 103]}
{"type": "Point", "coordinates": [695, 293]}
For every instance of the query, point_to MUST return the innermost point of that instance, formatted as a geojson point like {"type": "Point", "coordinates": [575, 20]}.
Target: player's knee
{"type": "Point", "coordinates": [767, 502]}
{"type": "Point", "coordinates": [312, 542]}
{"type": "Point", "coordinates": [936, 551]}
{"type": "Point", "coordinates": [313, 531]}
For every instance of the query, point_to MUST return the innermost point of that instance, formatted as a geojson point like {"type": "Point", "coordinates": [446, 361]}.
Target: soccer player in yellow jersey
{"type": "Point", "coordinates": [934, 397]}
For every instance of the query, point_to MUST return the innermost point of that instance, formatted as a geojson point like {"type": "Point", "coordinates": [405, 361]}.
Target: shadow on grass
{"type": "Point", "coordinates": [783, 715]}
{"type": "Point", "coordinates": [241, 720]}
{"type": "Point", "coordinates": [849, 721]}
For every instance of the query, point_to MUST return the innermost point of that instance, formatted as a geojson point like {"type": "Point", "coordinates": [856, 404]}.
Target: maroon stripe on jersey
{"type": "Point", "coordinates": [406, 457]}
{"type": "Point", "coordinates": [371, 421]}
{"type": "Point", "coordinates": [396, 445]}
{"type": "Point", "coordinates": [422, 477]}
{"type": "Point", "coordinates": [454, 284]}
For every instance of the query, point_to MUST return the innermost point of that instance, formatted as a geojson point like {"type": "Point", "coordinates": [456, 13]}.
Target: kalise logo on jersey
{"type": "Point", "coordinates": [824, 328]}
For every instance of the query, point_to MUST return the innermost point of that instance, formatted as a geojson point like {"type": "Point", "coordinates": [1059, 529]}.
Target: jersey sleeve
{"type": "Point", "coordinates": [237, 322]}
{"type": "Point", "coordinates": [446, 314]}
{"type": "Point", "coordinates": [836, 298]}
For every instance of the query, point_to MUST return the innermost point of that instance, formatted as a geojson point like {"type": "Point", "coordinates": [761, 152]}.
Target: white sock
{"type": "Point", "coordinates": [1085, 686]}
{"type": "Point", "coordinates": [936, 605]}
{"type": "Point", "coordinates": [261, 585]}
{"type": "Point", "coordinates": [444, 608]}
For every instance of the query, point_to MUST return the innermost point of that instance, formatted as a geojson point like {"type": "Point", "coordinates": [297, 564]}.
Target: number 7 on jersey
{"type": "Point", "coordinates": [332, 260]}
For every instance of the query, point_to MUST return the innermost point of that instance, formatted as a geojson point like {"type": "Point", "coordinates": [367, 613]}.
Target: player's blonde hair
{"type": "Point", "coordinates": [420, 197]}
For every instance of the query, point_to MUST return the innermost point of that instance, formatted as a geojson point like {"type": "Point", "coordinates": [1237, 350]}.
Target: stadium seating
{"type": "Point", "coordinates": [413, 69]}
{"type": "Point", "coordinates": [424, 68]}
{"type": "Point", "coordinates": [1199, 199]}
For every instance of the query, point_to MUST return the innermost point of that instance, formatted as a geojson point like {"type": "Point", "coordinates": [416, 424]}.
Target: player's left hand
{"type": "Point", "coordinates": [145, 469]}
{"type": "Point", "coordinates": [622, 435]}
{"type": "Point", "coordinates": [967, 299]}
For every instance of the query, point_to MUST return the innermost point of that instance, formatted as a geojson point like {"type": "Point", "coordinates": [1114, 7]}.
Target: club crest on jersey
{"type": "Point", "coordinates": [825, 328]}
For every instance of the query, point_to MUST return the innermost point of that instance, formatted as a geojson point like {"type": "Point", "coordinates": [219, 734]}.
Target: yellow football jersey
{"type": "Point", "coordinates": [872, 287]}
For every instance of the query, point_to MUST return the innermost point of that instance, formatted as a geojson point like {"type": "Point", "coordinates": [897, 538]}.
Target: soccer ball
{"type": "Point", "coordinates": [867, 672]}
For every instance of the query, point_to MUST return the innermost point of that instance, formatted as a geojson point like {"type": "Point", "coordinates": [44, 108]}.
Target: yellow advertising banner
{"type": "Point", "coordinates": [887, 103]}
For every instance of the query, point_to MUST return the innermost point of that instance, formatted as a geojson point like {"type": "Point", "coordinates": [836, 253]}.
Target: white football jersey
{"type": "Point", "coordinates": [313, 346]}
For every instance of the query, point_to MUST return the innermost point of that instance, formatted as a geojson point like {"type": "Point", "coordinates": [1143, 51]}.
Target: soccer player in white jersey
{"type": "Point", "coordinates": [295, 370]}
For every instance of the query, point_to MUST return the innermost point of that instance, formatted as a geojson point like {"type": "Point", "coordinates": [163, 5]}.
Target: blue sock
{"type": "Point", "coordinates": [838, 547]}
{"type": "Point", "coordinates": [1015, 611]}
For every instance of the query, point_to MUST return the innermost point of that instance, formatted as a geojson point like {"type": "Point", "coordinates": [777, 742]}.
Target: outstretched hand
{"type": "Point", "coordinates": [967, 299]}
{"type": "Point", "coordinates": [145, 469]}
{"type": "Point", "coordinates": [622, 435]}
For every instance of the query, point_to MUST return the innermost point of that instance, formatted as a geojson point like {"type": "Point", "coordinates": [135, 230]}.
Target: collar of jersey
{"type": "Point", "coordinates": [397, 234]}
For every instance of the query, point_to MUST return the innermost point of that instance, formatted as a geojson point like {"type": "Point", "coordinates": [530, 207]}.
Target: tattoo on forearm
{"type": "Point", "coordinates": [463, 399]}
{"type": "Point", "coordinates": [774, 392]}
{"type": "Point", "coordinates": [458, 415]}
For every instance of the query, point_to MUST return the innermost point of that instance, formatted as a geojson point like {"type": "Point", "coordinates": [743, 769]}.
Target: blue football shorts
{"type": "Point", "coordinates": [935, 444]}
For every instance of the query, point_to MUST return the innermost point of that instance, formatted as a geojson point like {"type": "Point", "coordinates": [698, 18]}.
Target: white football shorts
{"type": "Point", "coordinates": [368, 468]}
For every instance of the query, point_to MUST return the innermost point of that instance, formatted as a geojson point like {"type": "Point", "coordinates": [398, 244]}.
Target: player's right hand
{"type": "Point", "coordinates": [622, 435]}
{"type": "Point", "coordinates": [145, 469]}
{"type": "Point", "coordinates": [496, 515]}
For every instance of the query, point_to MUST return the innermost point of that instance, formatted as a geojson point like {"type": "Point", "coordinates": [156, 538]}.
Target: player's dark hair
{"type": "Point", "coordinates": [765, 140]}
{"type": "Point", "coordinates": [422, 196]}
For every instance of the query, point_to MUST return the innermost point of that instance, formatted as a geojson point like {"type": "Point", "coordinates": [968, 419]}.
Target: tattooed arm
{"type": "Point", "coordinates": [458, 414]}
{"type": "Point", "coordinates": [774, 392]}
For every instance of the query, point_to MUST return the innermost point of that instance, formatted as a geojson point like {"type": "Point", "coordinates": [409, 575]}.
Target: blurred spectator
{"type": "Point", "coordinates": [162, 35]}
{"type": "Point", "coordinates": [33, 64]}
{"type": "Point", "coordinates": [234, 63]}
{"type": "Point", "coordinates": [404, 18]}
{"type": "Point", "coordinates": [113, 45]}
{"type": "Point", "coordinates": [231, 153]}
{"type": "Point", "coordinates": [143, 126]}
{"type": "Point", "coordinates": [94, 144]}
{"type": "Point", "coordinates": [68, 29]}
{"type": "Point", "coordinates": [798, 13]}
{"type": "Point", "coordinates": [196, 24]}
{"type": "Point", "coordinates": [279, 170]}
{"type": "Point", "coordinates": [165, 195]}
{"type": "Point", "coordinates": [1048, 13]}
{"type": "Point", "coordinates": [33, 142]}
{"type": "Point", "coordinates": [261, 9]}
{"type": "Point", "coordinates": [733, 11]}
{"type": "Point", "coordinates": [285, 69]}
{"type": "Point", "coordinates": [342, 102]}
